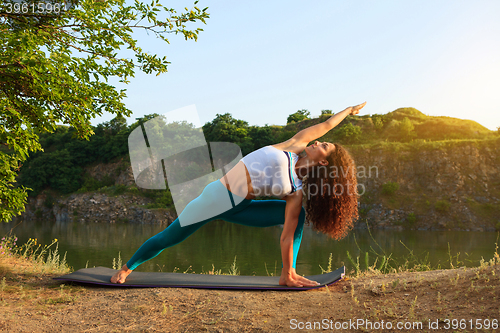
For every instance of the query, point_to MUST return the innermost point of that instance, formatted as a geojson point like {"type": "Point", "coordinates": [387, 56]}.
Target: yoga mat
{"type": "Point", "coordinates": [101, 276]}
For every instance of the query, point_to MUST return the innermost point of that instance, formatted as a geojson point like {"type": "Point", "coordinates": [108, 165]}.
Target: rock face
{"type": "Point", "coordinates": [100, 207]}
{"type": "Point", "coordinates": [455, 187]}
{"type": "Point", "coordinates": [120, 171]}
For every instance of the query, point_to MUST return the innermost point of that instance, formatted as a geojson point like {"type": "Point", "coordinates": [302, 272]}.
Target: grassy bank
{"type": "Point", "coordinates": [26, 272]}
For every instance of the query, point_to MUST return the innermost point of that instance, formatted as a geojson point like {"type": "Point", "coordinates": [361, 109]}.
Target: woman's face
{"type": "Point", "coordinates": [318, 151]}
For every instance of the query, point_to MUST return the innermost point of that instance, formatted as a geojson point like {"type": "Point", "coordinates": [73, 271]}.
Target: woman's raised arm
{"type": "Point", "coordinates": [314, 132]}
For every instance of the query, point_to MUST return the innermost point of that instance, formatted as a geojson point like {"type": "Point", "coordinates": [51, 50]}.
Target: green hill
{"type": "Point", "coordinates": [400, 125]}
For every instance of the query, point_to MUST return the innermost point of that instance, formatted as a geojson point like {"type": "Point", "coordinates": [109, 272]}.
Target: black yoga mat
{"type": "Point", "coordinates": [101, 276]}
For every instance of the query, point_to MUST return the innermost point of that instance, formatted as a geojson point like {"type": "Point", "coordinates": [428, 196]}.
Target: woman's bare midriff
{"type": "Point", "coordinates": [238, 181]}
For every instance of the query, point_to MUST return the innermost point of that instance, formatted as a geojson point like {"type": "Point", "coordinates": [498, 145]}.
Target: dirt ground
{"type": "Point", "coordinates": [435, 299]}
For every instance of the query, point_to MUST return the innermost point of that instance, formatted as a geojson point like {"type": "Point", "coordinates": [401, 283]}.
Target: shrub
{"type": "Point", "coordinates": [298, 116]}
{"type": "Point", "coordinates": [442, 206]}
{"type": "Point", "coordinates": [377, 123]}
{"type": "Point", "coordinates": [163, 200]}
{"type": "Point", "coordinates": [91, 184]}
{"type": "Point", "coordinates": [107, 180]}
{"type": "Point", "coordinates": [119, 189]}
{"type": "Point", "coordinates": [406, 129]}
{"type": "Point", "coordinates": [411, 218]}
{"type": "Point", "coordinates": [348, 133]}
{"type": "Point", "coordinates": [363, 212]}
{"type": "Point", "coordinates": [49, 201]}
{"type": "Point", "coordinates": [42, 258]}
{"type": "Point", "coordinates": [7, 243]}
{"type": "Point", "coordinates": [390, 188]}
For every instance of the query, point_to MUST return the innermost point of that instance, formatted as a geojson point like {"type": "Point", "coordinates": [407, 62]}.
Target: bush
{"type": "Point", "coordinates": [163, 200]}
{"type": "Point", "coordinates": [49, 201]}
{"type": "Point", "coordinates": [377, 123]}
{"type": "Point", "coordinates": [363, 212]}
{"type": "Point", "coordinates": [42, 257]}
{"type": "Point", "coordinates": [442, 206]}
{"type": "Point", "coordinates": [406, 129]}
{"type": "Point", "coordinates": [348, 133]}
{"type": "Point", "coordinates": [390, 188]}
{"type": "Point", "coordinates": [7, 244]}
{"type": "Point", "coordinates": [298, 116]}
{"type": "Point", "coordinates": [91, 184]}
{"type": "Point", "coordinates": [55, 169]}
{"type": "Point", "coordinates": [411, 218]}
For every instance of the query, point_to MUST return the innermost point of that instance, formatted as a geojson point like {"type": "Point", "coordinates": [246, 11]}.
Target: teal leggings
{"type": "Point", "coordinates": [255, 213]}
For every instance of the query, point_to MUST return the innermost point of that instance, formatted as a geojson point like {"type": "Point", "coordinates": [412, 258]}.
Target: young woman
{"type": "Point", "coordinates": [276, 170]}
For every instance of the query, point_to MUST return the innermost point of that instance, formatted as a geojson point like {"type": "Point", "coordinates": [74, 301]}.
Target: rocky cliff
{"type": "Point", "coordinates": [106, 205]}
{"type": "Point", "coordinates": [445, 185]}
{"type": "Point", "coordinates": [433, 185]}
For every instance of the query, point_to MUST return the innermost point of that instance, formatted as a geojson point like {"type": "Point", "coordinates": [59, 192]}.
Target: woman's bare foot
{"type": "Point", "coordinates": [292, 279]}
{"type": "Point", "coordinates": [121, 275]}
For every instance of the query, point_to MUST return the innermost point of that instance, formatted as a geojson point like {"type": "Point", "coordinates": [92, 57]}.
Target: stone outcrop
{"type": "Point", "coordinates": [98, 207]}
{"type": "Point", "coordinates": [458, 177]}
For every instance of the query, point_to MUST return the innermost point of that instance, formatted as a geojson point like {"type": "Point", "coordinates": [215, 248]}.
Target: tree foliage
{"type": "Point", "coordinates": [298, 116]}
{"type": "Point", "coordinates": [228, 129]}
{"type": "Point", "coordinates": [348, 133]}
{"type": "Point", "coordinates": [406, 129]}
{"type": "Point", "coordinates": [378, 122]}
{"type": "Point", "coordinates": [55, 68]}
{"type": "Point", "coordinates": [60, 165]}
{"type": "Point", "coordinates": [261, 136]}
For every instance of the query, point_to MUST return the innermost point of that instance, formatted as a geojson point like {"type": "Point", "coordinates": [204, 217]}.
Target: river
{"type": "Point", "coordinates": [256, 249]}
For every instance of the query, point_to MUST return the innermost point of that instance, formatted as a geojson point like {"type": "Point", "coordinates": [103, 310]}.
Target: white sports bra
{"type": "Point", "coordinates": [272, 172]}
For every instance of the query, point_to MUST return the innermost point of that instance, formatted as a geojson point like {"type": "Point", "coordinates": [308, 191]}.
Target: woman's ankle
{"type": "Point", "coordinates": [126, 269]}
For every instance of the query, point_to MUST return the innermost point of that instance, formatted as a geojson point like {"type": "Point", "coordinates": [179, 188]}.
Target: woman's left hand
{"type": "Point", "coordinates": [355, 109]}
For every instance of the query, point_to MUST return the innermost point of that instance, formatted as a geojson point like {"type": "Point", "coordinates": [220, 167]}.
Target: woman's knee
{"type": "Point", "coordinates": [175, 233]}
{"type": "Point", "coordinates": [211, 194]}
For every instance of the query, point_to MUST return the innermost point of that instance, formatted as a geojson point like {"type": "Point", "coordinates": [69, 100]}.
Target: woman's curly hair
{"type": "Point", "coordinates": [332, 198]}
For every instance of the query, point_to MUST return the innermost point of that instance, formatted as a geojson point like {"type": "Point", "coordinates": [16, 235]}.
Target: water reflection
{"type": "Point", "coordinates": [256, 250]}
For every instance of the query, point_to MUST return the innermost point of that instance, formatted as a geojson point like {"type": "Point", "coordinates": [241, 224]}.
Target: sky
{"type": "Point", "coordinates": [261, 61]}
